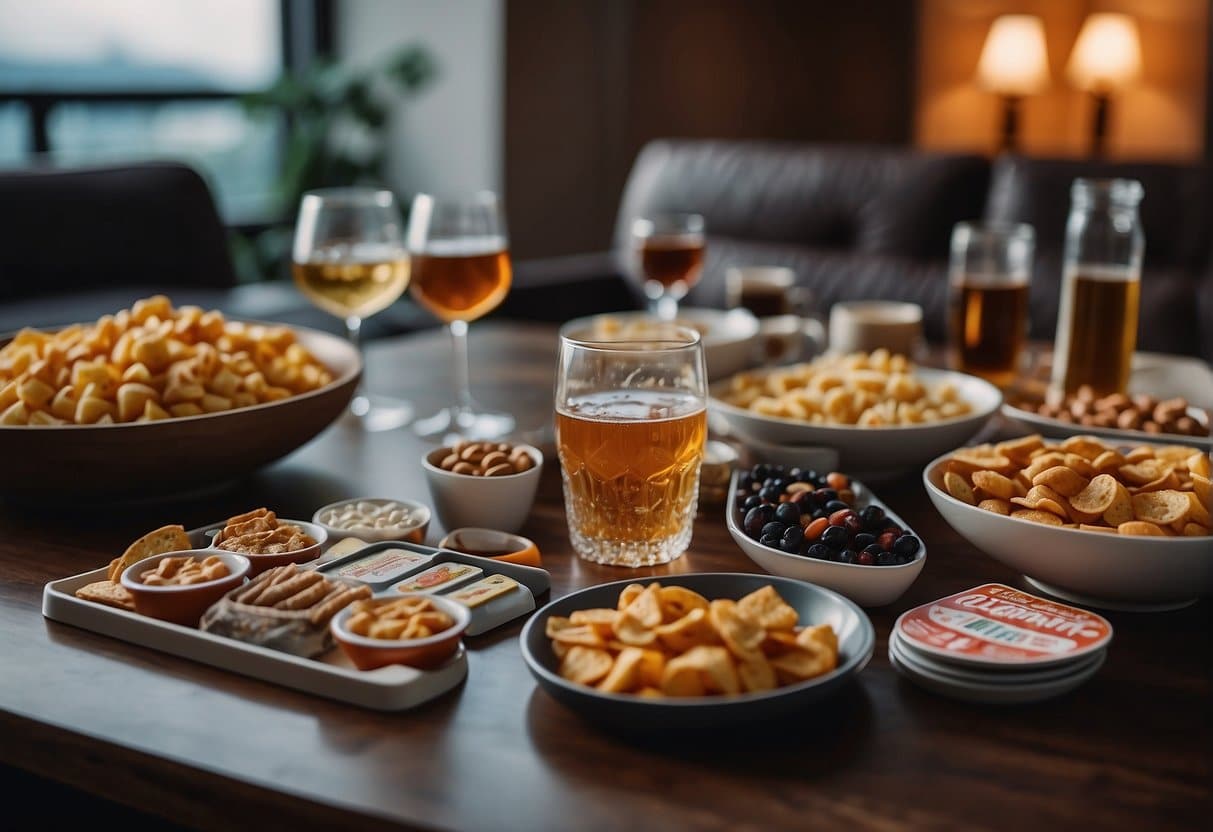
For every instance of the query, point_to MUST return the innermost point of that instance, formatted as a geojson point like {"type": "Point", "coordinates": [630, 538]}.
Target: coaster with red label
{"type": "Point", "coordinates": [476, 594]}
{"type": "Point", "coordinates": [379, 567]}
{"type": "Point", "coordinates": [999, 626]}
{"type": "Point", "coordinates": [442, 576]}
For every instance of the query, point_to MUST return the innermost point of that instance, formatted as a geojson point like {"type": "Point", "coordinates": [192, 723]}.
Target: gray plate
{"type": "Point", "coordinates": [816, 605]}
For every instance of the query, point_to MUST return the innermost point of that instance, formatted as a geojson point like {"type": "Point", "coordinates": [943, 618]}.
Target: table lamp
{"type": "Point", "coordinates": [1106, 58]}
{"type": "Point", "coordinates": [1013, 64]}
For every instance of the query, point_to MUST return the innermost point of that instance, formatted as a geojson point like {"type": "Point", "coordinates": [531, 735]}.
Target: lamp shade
{"type": "Point", "coordinates": [1107, 54]}
{"type": "Point", "coordinates": [1013, 60]}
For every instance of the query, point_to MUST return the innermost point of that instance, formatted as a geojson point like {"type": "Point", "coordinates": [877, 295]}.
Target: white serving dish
{"type": "Point", "coordinates": [1056, 429]}
{"type": "Point", "coordinates": [1112, 571]}
{"type": "Point", "coordinates": [729, 336]}
{"type": "Point", "coordinates": [501, 503]}
{"type": "Point", "coordinates": [414, 532]}
{"type": "Point", "coordinates": [864, 450]}
{"type": "Point", "coordinates": [868, 586]}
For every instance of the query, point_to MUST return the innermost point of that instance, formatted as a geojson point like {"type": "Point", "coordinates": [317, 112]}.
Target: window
{"type": "Point", "coordinates": [122, 80]}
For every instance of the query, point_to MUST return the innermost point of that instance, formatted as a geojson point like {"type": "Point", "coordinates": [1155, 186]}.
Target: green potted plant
{"type": "Point", "coordinates": [336, 120]}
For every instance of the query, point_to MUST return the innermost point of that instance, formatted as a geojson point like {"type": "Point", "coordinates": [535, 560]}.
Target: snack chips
{"type": "Point", "coordinates": [669, 641]}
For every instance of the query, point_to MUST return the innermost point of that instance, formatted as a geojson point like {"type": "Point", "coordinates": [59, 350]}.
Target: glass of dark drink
{"type": "Point", "coordinates": [670, 255]}
{"type": "Point", "coordinates": [991, 267]}
{"type": "Point", "coordinates": [461, 272]}
{"type": "Point", "coordinates": [349, 259]}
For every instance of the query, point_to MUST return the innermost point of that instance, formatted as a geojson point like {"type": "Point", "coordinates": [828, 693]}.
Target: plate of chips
{"type": "Point", "coordinates": [158, 400]}
{"type": "Point", "coordinates": [680, 649]}
{"type": "Point", "coordinates": [1088, 521]}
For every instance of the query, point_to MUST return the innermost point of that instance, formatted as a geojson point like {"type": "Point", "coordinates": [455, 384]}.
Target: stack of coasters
{"type": "Point", "coordinates": [998, 645]}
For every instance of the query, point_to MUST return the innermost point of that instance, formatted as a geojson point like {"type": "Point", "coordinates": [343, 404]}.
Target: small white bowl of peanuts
{"type": "Point", "coordinates": [374, 519]}
{"type": "Point", "coordinates": [486, 484]}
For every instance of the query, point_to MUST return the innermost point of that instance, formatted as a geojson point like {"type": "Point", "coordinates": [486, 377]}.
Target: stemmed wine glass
{"type": "Point", "coordinates": [670, 251]}
{"type": "Point", "coordinates": [349, 259]}
{"type": "Point", "coordinates": [461, 272]}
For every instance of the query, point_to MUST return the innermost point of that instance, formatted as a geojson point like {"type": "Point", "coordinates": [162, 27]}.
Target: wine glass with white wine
{"type": "Point", "coordinates": [349, 259]}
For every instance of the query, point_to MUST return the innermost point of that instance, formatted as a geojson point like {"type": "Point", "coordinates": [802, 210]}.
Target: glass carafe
{"type": "Point", "coordinates": [1100, 287]}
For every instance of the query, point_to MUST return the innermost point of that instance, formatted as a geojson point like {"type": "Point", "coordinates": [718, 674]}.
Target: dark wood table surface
{"type": "Point", "coordinates": [1130, 749]}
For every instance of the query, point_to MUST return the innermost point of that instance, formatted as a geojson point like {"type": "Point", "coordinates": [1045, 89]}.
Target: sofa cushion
{"type": "Point", "coordinates": [871, 200]}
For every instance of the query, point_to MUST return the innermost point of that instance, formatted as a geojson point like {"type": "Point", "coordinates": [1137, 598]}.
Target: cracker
{"type": "Point", "coordinates": [156, 542]}
{"type": "Point", "coordinates": [109, 593]}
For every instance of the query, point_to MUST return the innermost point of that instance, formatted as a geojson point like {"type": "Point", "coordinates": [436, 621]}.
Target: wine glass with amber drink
{"type": "Point", "coordinates": [461, 272]}
{"type": "Point", "coordinates": [349, 259]}
{"type": "Point", "coordinates": [670, 255]}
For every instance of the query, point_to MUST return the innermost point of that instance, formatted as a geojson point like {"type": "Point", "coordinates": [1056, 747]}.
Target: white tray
{"type": "Point", "coordinates": [392, 688]}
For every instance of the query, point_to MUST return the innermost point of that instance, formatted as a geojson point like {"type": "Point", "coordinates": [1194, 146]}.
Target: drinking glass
{"type": "Point", "coordinates": [670, 254]}
{"type": "Point", "coordinates": [631, 421]}
{"type": "Point", "coordinates": [461, 272]}
{"type": "Point", "coordinates": [990, 267]}
{"type": "Point", "coordinates": [349, 259]}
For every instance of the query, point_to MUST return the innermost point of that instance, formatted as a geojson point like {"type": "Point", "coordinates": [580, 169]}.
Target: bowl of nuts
{"type": "Point", "coordinates": [374, 519]}
{"type": "Point", "coordinates": [1094, 523]}
{"type": "Point", "coordinates": [1131, 419]}
{"type": "Point", "coordinates": [486, 484]}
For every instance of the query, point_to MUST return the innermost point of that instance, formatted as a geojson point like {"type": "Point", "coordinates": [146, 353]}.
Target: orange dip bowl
{"type": "Point", "coordinates": [422, 653]}
{"type": "Point", "coordinates": [182, 603]}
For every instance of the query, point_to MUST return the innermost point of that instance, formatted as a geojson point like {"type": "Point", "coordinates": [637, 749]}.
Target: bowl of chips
{"type": "Point", "coordinates": [1084, 520]}
{"type": "Point", "coordinates": [877, 410]}
{"type": "Point", "coordinates": [699, 649]}
{"type": "Point", "coordinates": [418, 630]}
{"type": "Point", "coordinates": [155, 401]}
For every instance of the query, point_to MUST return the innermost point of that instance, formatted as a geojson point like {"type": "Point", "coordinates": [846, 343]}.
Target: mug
{"type": "Point", "coordinates": [865, 325]}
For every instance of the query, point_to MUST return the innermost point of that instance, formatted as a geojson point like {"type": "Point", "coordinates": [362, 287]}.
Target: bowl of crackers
{"type": "Point", "coordinates": [267, 540]}
{"type": "Point", "coordinates": [414, 629]}
{"type": "Point", "coordinates": [180, 586]}
{"type": "Point", "coordinates": [157, 400]}
{"type": "Point", "coordinates": [877, 409]}
{"type": "Point", "coordinates": [1085, 519]}
{"type": "Point", "coordinates": [696, 650]}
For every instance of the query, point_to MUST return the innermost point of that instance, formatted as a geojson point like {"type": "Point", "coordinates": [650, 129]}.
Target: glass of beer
{"type": "Point", "coordinates": [1100, 287]}
{"type": "Point", "coordinates": [349, 259]}
{"type": "Point", "coordinates": [670, 255]}
{"type": "Point", "coordinates": [631, 421]}
{"type": "Point", "coordinates": [461, 272]}
{"type": "Point", "coordinates": [990, 268]}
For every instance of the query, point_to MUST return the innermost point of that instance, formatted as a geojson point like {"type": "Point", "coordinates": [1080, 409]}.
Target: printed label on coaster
{"type": "Point", "coordinates": [442, 576]}
{"type": "Point", "coordinates": [1000, 625]}
{"type": "Point", "coordinates": [384, 565]}
{"type": "Point", "coordinates": [478, 593]}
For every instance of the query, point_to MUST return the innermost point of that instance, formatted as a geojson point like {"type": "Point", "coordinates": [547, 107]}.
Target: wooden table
{"type": "Point", "coordinates": [1129, 750]}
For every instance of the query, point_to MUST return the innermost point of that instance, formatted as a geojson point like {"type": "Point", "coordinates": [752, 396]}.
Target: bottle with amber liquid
{"type": "Point", "coordinates": [1100, 287]}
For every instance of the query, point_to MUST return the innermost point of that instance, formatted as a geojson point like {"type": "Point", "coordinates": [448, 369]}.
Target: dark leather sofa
{"type": "Point", "coordinates": [853, 222]}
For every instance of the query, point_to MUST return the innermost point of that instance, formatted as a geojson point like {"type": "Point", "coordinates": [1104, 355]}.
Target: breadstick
{"type": "Point", "coordinates": [331, 606]}
{"type": "Point", "coordinates": [304, 598]}
{"type": "Point", "coordinates": [288, 588]}
{"type": "Point", "coordinates": [264, 581]}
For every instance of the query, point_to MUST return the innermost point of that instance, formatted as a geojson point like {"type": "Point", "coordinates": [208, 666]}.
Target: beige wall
{"type": "Point", "coordinates": [1160, 117]}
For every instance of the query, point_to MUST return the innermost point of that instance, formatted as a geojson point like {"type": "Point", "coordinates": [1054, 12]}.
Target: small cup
{"type": "Point", "coordinates": [413, 532]}
{"type": "Point", "coordinates": [423, 653]}
{"type": "Point", "coordinates": [494, 502]}
{"type": "Point", "coordinates": [490, 543]}
{"type": "Point", "coordinates": [866, 325]}
{"type": "Point", "coordinates": [182, 603]}
{"type": "Point", "coordinates": [261, 562]}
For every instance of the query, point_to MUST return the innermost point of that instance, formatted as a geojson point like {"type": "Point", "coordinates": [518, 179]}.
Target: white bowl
{"type": "Point", "coordinates": [868, 586]}
{"type": "Point", "coordinates": [501, 503]}
{"type": "Point", "coordinates": [729, 336]}
{"type": "Point", "coordinates": [1088, 568]}
{"type": "Point", "coordinates": [871, 450]}
{"type": "Point", "coordinates": [413, 532]}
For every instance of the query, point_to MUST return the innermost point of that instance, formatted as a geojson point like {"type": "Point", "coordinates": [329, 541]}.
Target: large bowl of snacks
{"type": "Point", "coordinates": [879, 411]}
{"type": "Point", "coordinates": [1103, 525]}
{"type": "Point", "coordinates": [701, 649]}
{"type": "Point", "coordinates": [157, 400]}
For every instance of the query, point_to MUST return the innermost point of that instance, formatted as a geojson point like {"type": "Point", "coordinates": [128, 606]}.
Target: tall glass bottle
{"type": "Point", "coordinates": [1100, 287]}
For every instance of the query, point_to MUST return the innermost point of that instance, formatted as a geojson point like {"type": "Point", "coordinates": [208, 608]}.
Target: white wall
{"type": "Point", "coordinates": [448, 139]}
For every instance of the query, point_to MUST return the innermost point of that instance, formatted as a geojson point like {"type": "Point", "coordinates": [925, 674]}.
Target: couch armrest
{"type": "Point", "coordinates": [557, 289]}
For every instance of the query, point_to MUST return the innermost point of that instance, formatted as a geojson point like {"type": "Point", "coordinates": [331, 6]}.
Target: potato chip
{"type": "Point", "coordinates": [677, 601]}
{"type": "Point", "coordinates": [1087, 447]}
{"type": "Point", "coordinates": [681, 679]}
{"type": "Point", "coordinates": [994, 484]}
{"type": "Point", "coordinates": [1045, 517]}
{"type": "Point", "coordinates": [652, 668]}
{"type": "Point", "coordinates": [958, 488]}
{"type": "Point", "coordinates": [601, 620]}
{"type": "Point", "coordinates": [1198, 463]}
{"type": "Point", "coordinates": [1141, 472]}
{"type": "Point", "coordinates": [1097, 497]}
{"type": "Point", "coordinates": [1065, 481]}
{"type": "Point", "coordinates": [1161, 507]}
{"type": "Point", "coordinates": [1168, 481]}
{"type": "Point", "coordinates": [755, 673]}
{"type": "Point", "coordinates": [715, 667]}
{"type": "Point", "coordinates": [646, 608]}
{"type": "Point", "coordinates": [632, 632]}
{"type": "Point", "coordinates": [820, 636]}
{"type": "Point", "coordinates": [624, 675]}
{"type": "Point", "coordinates": [1121, 510]}
{"type": "Point", "coordinates": [1043, 462]}
{"type": "Point", "coordinates": [584, 635]}
{"type": "Point", "coordinates": [692, 630]}
{"type": "Point", "coordinates": [1020, 450]}
{"type": "Point", "coordinates": [1108, 462]}
{"type": "Point", "coordinates": [628, 594]}
{"type": "Point", "coordinates": [1195, 530]}
{"type": "Point", "coordinates": [800, 664]}
{"type": "Point", "coordinates": [741, 634]}
{"type": "Point", "coordinates": [1087, 527]}
{"type": "Point", "coordinates": [1199, 512]}
{"type": "Point", "coordinates": [1140, 527]}
{"type": "Point", "coordinates": [765, 607]}
{"type": "Point", "coordinates": [1139, 454]}
{"type": "Point", "coordinates": [1201, 487]}
{"type": "Point", "coordinates": [997, 506]}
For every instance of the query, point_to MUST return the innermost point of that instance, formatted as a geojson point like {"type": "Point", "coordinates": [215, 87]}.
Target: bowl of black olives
{"type": "Point", "coordinates": [825, 528]}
